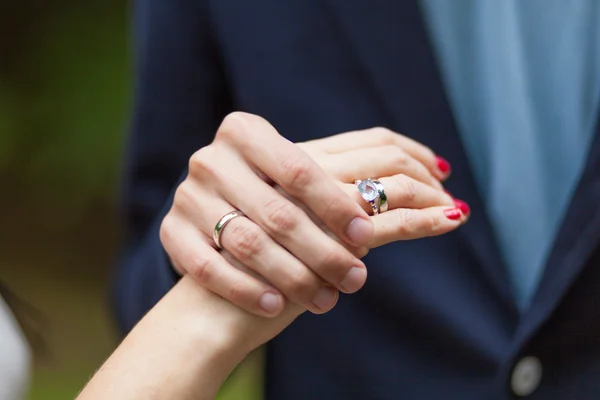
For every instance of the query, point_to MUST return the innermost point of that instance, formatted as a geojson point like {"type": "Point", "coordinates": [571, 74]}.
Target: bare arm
{"type": "Point", "coordinates": [184, 348]}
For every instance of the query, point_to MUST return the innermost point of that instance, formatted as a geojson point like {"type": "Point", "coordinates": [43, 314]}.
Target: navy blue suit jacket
{"type": "Point", "coordinates": [436, 319]}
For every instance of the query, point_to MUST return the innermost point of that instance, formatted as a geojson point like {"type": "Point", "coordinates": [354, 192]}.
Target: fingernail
{"type": "Point", "coordinates": [360, 231]}
{"type": "Point", "coordinates": [464, 207]}
{"type": "Point", "coordinates": [325, 298]}
{"type": "Point", "coordinates": [354, 280]}
{"type": "Point", "coordinates": [443, 165]}
{"type": "Point", "coordinates": [270, 303]}
{"type": "Point", "coordinates": [453, 213]}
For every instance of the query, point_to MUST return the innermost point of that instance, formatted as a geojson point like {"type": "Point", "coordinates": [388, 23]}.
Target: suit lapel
{"type": "Point", "coordinates": [390, 42]}
{"type": "Point", "coordinates": [577, 239]}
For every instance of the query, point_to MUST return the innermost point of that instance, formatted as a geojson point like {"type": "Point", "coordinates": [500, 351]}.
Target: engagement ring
{"type": "Point", "coordinates": [373, 192]}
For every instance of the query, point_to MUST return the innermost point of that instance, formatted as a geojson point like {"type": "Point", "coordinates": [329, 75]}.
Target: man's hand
{"type": "Point", "coordinates": [305, 228]}
{"type": "Point", "coordinates": [277, 240]}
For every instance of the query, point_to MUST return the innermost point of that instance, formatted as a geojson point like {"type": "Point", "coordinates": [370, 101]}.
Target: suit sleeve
{"type": "Point", "coordinates": [180, 99]}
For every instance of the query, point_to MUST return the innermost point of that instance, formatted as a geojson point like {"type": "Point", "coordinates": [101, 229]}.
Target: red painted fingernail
{"type": "Point", "coordinates": [453, 213]}
{"type": "Point", "coordinates": [443, 165]}
{"type": "Point", "coordinates": [464, 207]}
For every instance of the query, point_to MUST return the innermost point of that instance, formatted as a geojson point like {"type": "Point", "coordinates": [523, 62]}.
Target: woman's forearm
{"type": "Point", "coordinates": [184, 348]}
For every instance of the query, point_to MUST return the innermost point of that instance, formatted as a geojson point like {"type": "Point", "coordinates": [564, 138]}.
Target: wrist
{"type": "Point", "coordinates": [208, 321]}
{"type": "Point", "coordinates": [186, 341]}
{"type": "Point", "coordinates": [231, 332]}
{"type": "Point", "coordinates": [181, 349]}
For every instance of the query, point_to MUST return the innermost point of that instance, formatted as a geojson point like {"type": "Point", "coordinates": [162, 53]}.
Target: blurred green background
{"type": "Point", "coordinates": [65, 98]}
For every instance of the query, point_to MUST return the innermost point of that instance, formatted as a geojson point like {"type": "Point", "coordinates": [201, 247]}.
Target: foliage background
{"type": "Point", "coordinates": [65, 97]}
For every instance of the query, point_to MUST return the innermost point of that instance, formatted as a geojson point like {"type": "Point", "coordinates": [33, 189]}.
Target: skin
{"type": "Point", "coordinates": [184, 348]}
{"type": "Point", "coordinates": [306, 227]}
{"type": "Point", "coordinates": [187, 345]}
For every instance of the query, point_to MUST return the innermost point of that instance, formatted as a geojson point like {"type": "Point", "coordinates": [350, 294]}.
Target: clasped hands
{"type": "Point", "coordinates": [307, 226]}
{"type": "Point", "coordinates": [301, 243]}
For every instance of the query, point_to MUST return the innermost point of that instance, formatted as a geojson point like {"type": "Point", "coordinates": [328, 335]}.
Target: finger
{"type": "Point", "coordinates": [290, 311]}
{"type": "Point", "coordinates": [358, 252]}
{"type": "Point", "coordinates": [375, 137]}
{"type": "Point", "coordinates": [191, 252]}
{"type": "Point", "coordinates": [238, 185]}
{"type": "Point", "coordinates": [236, 263]}
{"type": "Point", "coordinates": [256, 250]}
{"type": "Point", "coordinates": [252, 247]}
{"type": "Point", "coordinates": [378, 161]}
{"type": "Point", "coordinates": [437, 165]}
{"type": "Point", "coordinates": [289, 226]}
{"type": "Point", "coordinates": [404, 192]}
{"type": "Point", "coordinates": [405, 224]}
{"type": "Point", "coordinates": [291, 168]}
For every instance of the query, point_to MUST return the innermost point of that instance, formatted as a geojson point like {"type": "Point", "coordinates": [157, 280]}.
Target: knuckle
{"type": "Point", "coordinates": [435, 223]}
{"type": "Point", "coordinates": [234, 126]}
{"type": "Point", "coordinates": [406, 221]}
{"type": "Point", "coordinates": [202, 161]}
{"type": "Point", "coordinates": [281, 216]}
{"type": "Point", "coordinates": [184, 196]}
{"type": "Point", "coordinates": [408, 188]}
{"type": "Point", "coordinates": [201, 268]}
{"type": "Point", "coordinates": [246, 240]}
{"type": "Point", "coordinates": [239, 127]}
{"type": "Point", "coordinates": [383, 135]}
{"type": "Point", "coordinates": [400, 158]}
{"type": "Point", "coordinates": [166, 230]}
{"type": "Point", "coordinates": [296, 173]}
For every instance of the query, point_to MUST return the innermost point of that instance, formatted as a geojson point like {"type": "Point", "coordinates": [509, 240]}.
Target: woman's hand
{"type": "Point", "coordinates": [282, 239]}
{"type": "Point", "coordinates": [410, 172]}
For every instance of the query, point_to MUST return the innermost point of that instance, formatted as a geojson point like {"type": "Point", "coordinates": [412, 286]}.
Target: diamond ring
{"type": "Point", "coordinates": [373, 192]}
{"type": "Point", "coordinates": [222, 223]}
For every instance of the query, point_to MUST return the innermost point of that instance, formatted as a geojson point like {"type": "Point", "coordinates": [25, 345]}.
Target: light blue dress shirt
{"type": "Point", "coordinates": [523, 79]}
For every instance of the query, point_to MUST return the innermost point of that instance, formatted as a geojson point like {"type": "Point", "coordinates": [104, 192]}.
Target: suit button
{"type": "Point", "coordinates": [526, 376]}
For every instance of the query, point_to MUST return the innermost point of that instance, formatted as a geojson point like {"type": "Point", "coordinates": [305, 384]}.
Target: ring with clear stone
{"type": "Point", "coordinates": [373, 192]}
